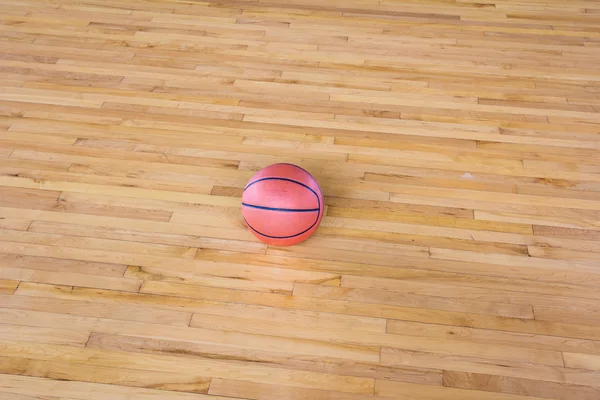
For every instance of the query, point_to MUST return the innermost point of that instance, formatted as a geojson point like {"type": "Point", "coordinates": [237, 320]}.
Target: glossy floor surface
{"type": "Point", "coordinates": [457, 143]}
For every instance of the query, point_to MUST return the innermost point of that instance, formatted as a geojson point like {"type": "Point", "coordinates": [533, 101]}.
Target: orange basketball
{"type": "Point", "coordinates": [282, 205]}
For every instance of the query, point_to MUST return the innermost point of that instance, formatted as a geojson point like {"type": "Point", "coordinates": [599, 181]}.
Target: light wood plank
{"type": "Point", "coordinates": [494, 336]}
{"type": "Point", "coordinates": [523, 387]}
{"type": "Point", "coordinates": [33, 386]}
{"type": "Point", "coordinates": [113, 376]}
{"type": "Point", "coordinates": [68, 278]}
{"type": "Point", "coordinates": [510, 291]}
{"type": "Point", "coordinates": [174, 239]}
{"type": "Point", "coordinates": [415, 300]}
{"type": "Point", "coordinates": [249, 390]}
{"type": "Point", "coordinates": [8, 286]}
{"type": "Point", "coordinates": [16, 396]}
{"type": "Point", "coordinates": [15, 223]}
{"type": "Point", "coordinates": [93, 243]}
{"type": "Point", "coordinates": [582, 361]}
{"type": "Point", "coordinates": [290, 354]}
{"type": "Point", "coordinates": [407, 391]}
{"type": "Point", "coordinates": [406, 342]}
{"type": "Point", "coordinates": [116, 311]}
{"type": "Point", "coordinates": [569, 375]}
{"type": "Point", "coordinates": [218, 368]}
{"type": "Point", "coordinates": [60, 265]}
{"type": "Point", "coordinates": [44, 335]}
{"type": "Point", "coordinates": [304, 355]}
{"type": "Point", "coordinates": [340, 356]}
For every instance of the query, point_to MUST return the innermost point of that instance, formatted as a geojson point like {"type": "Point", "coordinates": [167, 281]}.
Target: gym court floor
{"type": "Point", "coordinates": [457, 146]}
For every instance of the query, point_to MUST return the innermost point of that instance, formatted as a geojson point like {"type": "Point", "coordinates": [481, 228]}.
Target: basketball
{"type": "Point", "coordinates": [282, 205]}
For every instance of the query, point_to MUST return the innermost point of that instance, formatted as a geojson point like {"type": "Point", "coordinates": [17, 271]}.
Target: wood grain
{"type": "Point", "coordinates": [456, 144]}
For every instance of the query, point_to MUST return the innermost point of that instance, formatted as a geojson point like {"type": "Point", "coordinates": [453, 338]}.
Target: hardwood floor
{"type": "Point", "coordinates": [457, 143]}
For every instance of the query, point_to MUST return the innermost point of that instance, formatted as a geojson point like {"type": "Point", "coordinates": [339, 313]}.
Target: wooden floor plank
{"type": "Point", "coordinates": [8, 286]}
{"type": "Point", "coordinates": [571, 374]}
{"type": "Point", "coordinates": [221, 369]}
{"type": "Point", "coordinates": [99, 310]}
{"type": "Point", "coordinates": [523, 387]}
{"type": "Point", "coordinates": [44, 335]}
{"type": "Point", "coordinates": [338, 355]}
{"type": "Point", "coordinates": [417, 301]}
{"type": "Point", "coordinates": [401, 390]}
{"type": "Point", "coordinates": [255, 391]}
{"type": "Point", "coordinates": [207, 344]}
{"type": "Point", "coordinates": [193, 241]}
{"type": "Point", "coordinates": [113, 376]}
{"type": "Point", "coordinates": [60, 265]}
{"type": "Point", "coordinates": [162, 339]}
{"type": "Point", "coordinates": [495, 336]}
{"type": "Point", "coordinates": [510, 291]}
{"type": "Point", "coordinates": [65, 389]}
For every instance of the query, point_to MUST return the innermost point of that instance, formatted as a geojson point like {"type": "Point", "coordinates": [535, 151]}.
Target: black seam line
{"type": "Point", "coordinates": [281, 209]}
{"type": "Point", "coordinates": [283, 179]}
{"type": "Point", "coordinates": [283, 237]}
